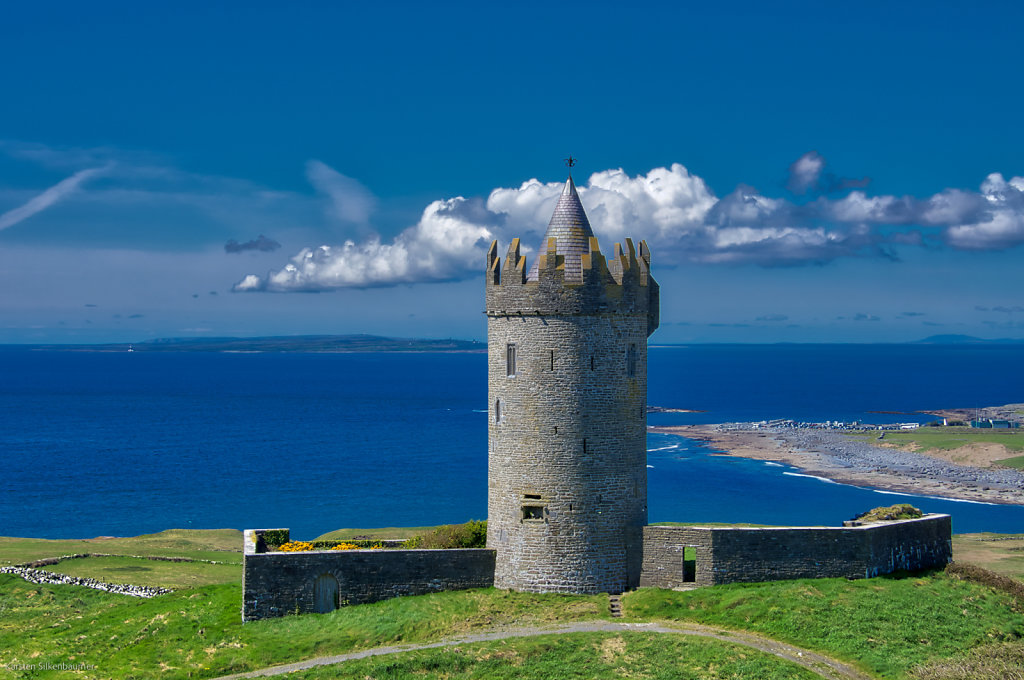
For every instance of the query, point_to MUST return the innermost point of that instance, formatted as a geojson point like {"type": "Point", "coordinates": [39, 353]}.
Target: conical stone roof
{"type": "Point", "coordinates": [571, 230]}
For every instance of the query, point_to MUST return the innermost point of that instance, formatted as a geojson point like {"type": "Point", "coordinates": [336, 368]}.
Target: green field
{"type": "Point", "coordinates": [885, 626]}
{"type": "Point", "coordinates": [588, 656]}
{"type": "Point", "coordinates": [222, 545]}
{"type": "Point", "coordinates": [388, 533]}
{"type": "Point", "coordinates": [153, 573]}
{"type": "Point", "coordinates": [949, 438]}
{"type": "Point", "coordinates": [1002, 553]}
{"type": "Point", "coordinates": [1015, 462]}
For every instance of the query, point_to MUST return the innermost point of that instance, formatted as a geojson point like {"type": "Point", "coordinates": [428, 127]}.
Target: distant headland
{"type": "Point", "coordinates": [297, 343]}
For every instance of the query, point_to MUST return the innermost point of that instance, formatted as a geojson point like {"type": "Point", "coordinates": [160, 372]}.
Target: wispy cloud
{"type": "Point", "coordinates": [807, 174]}
{"type": "Point", "coordinates": [350, 200]}
{"type": "Point", "coordinates": [54, 194]}
{"type": "Point", "coordinates": [805, 171]}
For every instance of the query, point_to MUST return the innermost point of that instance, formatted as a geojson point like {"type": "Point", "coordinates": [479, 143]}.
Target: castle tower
{"type": "Point", "coordinates": [567, 381]}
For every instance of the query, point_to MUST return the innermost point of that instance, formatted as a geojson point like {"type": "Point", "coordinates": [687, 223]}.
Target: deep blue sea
{"type": "Point", "coordinates": [128, 443]}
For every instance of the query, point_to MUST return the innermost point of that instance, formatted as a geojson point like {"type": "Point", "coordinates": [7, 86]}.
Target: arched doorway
{"type": "Point", "coordinates": [325, 594]}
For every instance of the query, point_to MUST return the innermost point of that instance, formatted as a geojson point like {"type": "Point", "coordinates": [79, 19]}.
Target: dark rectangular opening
{"type": "Point", "coordinates": [533, 512]}
{"type": "Point", "coordinates": [689, 564]}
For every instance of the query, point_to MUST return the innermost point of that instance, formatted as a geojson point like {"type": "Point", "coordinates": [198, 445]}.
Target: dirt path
{"type": "Point", "coordinates": [821, 665]}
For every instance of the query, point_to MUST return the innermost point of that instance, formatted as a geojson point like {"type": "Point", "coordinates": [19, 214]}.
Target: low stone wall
{"type": "Point", "coordinates": [736, 554]}
{"type": "Point", "coordinates": [664, 547]}
{"type": "Point", "coordinates": [275, 583]}
{"type": "Point", "coordinates": [51, 578]}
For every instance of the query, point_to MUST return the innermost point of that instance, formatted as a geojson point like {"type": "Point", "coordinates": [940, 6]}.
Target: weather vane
{"type": "Point", "coordinates": [570, 161]}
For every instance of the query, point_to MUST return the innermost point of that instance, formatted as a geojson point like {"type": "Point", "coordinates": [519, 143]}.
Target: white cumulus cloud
{"type": "Point", "coordinates": [446, 243]}
{"type": "Point", "coordinates": [1001, 224]}
{"type": "Point", "coordinates": [673, 209]}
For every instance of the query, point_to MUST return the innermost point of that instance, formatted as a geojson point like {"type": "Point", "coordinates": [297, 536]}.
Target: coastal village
{"type": "Point", "coordinates": [857, 425]}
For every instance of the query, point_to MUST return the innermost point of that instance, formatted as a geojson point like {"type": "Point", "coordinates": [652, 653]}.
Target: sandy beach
{"type": "Point", "coordinates": [849, 460]}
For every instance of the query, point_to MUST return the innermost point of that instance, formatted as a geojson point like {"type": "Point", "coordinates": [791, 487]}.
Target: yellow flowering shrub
{"type": "Point", "coordinates": [346, 546]}
{"type": "Point", "coordinates": [296, 546]}
{"type": "Point", "coordinates": [305, 546]}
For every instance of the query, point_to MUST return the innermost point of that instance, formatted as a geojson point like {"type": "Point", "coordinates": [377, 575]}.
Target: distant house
{"type": "Point", "coordinates": [996, 424]}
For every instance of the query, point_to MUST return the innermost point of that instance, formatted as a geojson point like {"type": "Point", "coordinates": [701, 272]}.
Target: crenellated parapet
{"type": "Point", "coordinates": [587, 283]}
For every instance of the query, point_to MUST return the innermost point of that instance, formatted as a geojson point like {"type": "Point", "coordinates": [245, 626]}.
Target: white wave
{"type": "Point", "coordinates": [773, 464]}
{"type": "Point", "coordinates": [934, 498]}
{"type": "Point", "coordinates": [820, 479]}
{"type": "Point", "coordinates": [479, 410]}
{"type": "Point", "coordinates": [650, 467]}
{"type": "Point", "coordinates": [664, 448]}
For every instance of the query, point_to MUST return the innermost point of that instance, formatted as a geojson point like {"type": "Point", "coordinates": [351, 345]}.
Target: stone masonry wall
{"type": "Point", "coordinates": [735, 554]}
{"type": "Point", "coordinates": [902, 545]}
{"type": "Point", "coordinates": [567, 474]}
{"type": "Point", "coordinates": [664, 553]}
{"type": "Point", "coordinates": [275, 584]}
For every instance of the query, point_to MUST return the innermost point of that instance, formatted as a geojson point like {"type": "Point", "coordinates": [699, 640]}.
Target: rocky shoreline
{"type": "Point", "coordinates": [849, 460]}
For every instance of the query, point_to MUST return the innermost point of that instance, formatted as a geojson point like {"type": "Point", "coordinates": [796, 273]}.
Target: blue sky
{"type": "Point", "coordinates": [803, 172]}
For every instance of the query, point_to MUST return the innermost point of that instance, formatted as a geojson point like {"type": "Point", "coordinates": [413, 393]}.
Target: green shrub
{"type": "Point", "coordinates": [890, 513]}
{"type": "Point", "coordinates": [274, 538]}
{"type": "Point", "coordinates": [1004, 661]}
{"type": "Point", "coordinates": [472, 534]}
{"type": "Point", "coordinates": [972, 572]}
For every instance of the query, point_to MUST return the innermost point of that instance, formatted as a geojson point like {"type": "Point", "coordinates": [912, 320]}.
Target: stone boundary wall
{"type": "Point", "coordinates": [738, 554]}
{"type": "Point", "coordinates": [279, 583]}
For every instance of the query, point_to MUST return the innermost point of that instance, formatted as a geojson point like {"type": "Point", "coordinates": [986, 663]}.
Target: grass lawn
{"type": "Point", "coordinates": [199, 631]}
{"type": "Point", "coordinates": [949, 438]}
{"type": "Point", "coordinates": [597, 656]}
{"type": "Point", "coordinates": [153, 573]}
{"type": "Point", "coordinates": [1002, 553]}
{"type": "Point", "coordinates": [393, 533]}
{"type": "Point", "coordinates": [885, 625]}
{"type": "Point", "coordinates": [1015, 462]}
{"type": "Point", "coordinates": [222, 545]}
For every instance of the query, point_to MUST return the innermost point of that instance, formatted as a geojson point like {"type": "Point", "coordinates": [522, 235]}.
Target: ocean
{"type": "Point", "coordinates": [120, 444]}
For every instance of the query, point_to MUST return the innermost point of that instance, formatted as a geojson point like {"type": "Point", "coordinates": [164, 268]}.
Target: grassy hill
{"type": "Point", "coordinates": [886, 626]}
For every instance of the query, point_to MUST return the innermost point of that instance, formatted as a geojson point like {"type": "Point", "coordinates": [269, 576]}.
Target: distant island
{"type": "Point", "coordinates": [967, 340]}
{"type": "Point", "coordinates": [372, 343]}
{"type": "Point", "coordinates": [298, 343]}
